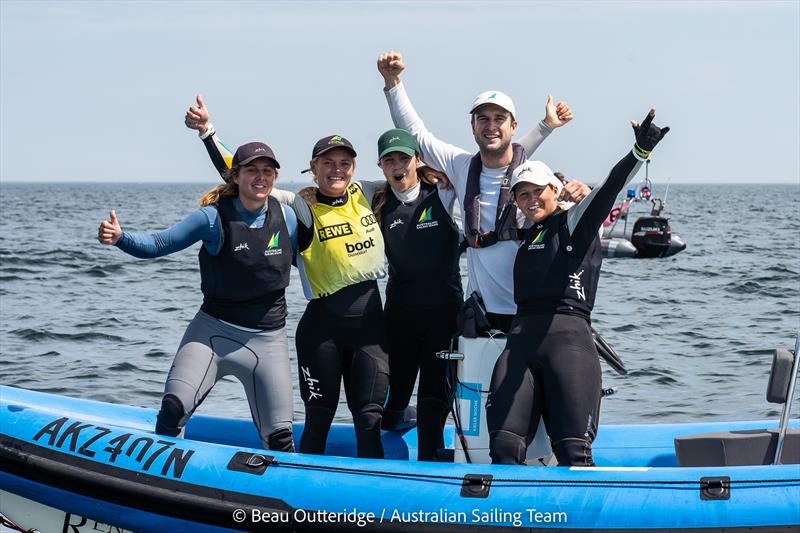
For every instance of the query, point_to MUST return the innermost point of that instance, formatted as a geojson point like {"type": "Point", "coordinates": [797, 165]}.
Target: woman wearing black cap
{"type": "Point", "coordinates": [423, 293]}
{"type": "Point", "coordinates": [248, 238]}
{"type": "Point", "coordinates": [341, 333]}
{"type": "Point", "coordinates": [549, 368]}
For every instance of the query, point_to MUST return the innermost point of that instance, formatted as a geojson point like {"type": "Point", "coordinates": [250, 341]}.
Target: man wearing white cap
{"type": "Point", "coordinates": [482, 181]}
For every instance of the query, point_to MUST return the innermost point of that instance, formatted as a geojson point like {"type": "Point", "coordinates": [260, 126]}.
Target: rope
{"type": "Point", "coordinates": [578, 482]}
{"type": "Point", "coordinates": [7, 522]}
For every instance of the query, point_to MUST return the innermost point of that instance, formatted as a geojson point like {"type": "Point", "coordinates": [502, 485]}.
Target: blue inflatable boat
{"type": "Point", "coordinates": [71, 465]}
{"type": "Point", "coordinates": [74, 465]}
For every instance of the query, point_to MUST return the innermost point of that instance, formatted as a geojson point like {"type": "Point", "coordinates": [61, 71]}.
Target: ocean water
{"type": "Point", "coordinates": [696, 330]}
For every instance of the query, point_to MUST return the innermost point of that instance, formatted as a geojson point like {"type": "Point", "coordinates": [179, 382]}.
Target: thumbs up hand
{"type": "Point", "coordinates": [556, 115]}
{"type": "Point", "coordinates": [196, 117]}
{"type": "Point", "coordinates": [109, 231]}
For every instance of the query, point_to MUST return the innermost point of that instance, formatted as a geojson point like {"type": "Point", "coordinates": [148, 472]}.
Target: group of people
{"type": "Point", "coordinates": [533, 256]}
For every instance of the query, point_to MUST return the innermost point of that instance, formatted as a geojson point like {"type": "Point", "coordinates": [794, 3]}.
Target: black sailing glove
{"type": "Point", "coordinates": [647, 136]}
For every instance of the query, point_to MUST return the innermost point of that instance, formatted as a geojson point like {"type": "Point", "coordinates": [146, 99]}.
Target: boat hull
{"type": "Point", "coordinates": [102, 462]}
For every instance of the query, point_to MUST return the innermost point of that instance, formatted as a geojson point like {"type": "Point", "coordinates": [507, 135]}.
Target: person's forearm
{"type": "Point", "coordinates": [593, 210]}
{"type": "Point", "coordinates": [369, 188]}
{"type": "Point", "coordinates": [221, 156]}
{"type": "Point", "coordinates": [283, 196]}
{"type": "Point", "coordinates": [195, 227]}
{"type": "Point", "coordinates": [302, 211]}
{"type": "Point", "coordinates": [403, 114]}
{"type": "Point", "coordinates": [534, 138]}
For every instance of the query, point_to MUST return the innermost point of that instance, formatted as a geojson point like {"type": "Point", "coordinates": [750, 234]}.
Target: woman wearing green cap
{"type": "Point", "coordinates": [248, 238]}
{"type": "Point", "coordinates": [424, 291]}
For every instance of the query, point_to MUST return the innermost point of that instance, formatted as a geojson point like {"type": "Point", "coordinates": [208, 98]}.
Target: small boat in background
{"type": "Point", "coordinates": [644, 236]}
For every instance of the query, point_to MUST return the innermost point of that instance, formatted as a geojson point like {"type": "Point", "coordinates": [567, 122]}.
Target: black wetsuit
{"type": "Point", "coordinates": [550, 367]}
{"type": "Point", "coordinates": [339, 338]}
{"type": "Point", "coordinates": [423, 296]}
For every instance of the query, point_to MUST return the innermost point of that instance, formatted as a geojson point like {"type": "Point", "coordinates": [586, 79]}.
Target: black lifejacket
{"type": "Point", "coordinates": [505, 227]}
{"type": "Point", "coordinates": [421, 242]}
{"type": "Point", "coordinates": [553, 273]}
{"type": "Point", "coordinates": [245, 283]}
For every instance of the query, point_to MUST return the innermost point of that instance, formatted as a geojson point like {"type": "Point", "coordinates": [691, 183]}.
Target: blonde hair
{"type": "Point", "coordinates": [229, 188]}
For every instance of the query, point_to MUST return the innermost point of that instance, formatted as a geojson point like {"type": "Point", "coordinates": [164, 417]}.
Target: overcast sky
{"type": "Point", "coordinates": [97, 90]}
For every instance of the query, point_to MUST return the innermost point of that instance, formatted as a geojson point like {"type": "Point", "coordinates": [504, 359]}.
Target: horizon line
{"type": "Point", "coordinates": [132, 182]}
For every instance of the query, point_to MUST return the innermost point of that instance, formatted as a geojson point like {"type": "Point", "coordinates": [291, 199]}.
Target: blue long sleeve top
{"type": "Point", "coordinates": [201, 225]}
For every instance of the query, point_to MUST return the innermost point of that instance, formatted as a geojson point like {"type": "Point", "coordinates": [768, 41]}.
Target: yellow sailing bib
{"type": "Point", "coordinates": [347, 247]}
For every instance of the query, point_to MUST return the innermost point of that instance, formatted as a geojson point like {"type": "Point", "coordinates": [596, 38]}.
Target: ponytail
{"type": "Point", "coordinates": [229, 188]}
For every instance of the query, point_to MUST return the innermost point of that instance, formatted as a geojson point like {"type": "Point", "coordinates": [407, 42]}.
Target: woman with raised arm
{"type": "Point", "coordinates": [248, 238]}
{"type": "Point", "coordinates": [423, 294]}
{"type": "Point", "coordinates": [549, 368]}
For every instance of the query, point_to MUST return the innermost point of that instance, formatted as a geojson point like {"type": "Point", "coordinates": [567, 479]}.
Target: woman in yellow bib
{"type": "Point", "coordinates": [340, 335]}
{"type": "Point", "coordinates": [341, 255]}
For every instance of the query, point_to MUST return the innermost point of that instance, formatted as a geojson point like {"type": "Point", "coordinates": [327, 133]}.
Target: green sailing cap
{"type": "Point", "coordinates": [397, 140]}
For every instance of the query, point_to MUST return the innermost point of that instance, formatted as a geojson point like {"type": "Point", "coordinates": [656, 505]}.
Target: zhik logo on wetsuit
{"type": "Point", "coordinates": [575, 284]}
{"type": "Point", "coordinates": [331, 232]}
{"type": "Point", "coordinates": [359, 248]}
{"type": "Point", "coordinates": [537, 243]}
{"type": "Point", "coordinates": [397, 222]}
{"type": "Point", "coordinates": [240, 247]}
{"type": "Point", "coordinates": [311, 383]}
{"type": "Point", "coordinates": [272, 247]}
{"type": "Point", "coordinates": [425, 221]}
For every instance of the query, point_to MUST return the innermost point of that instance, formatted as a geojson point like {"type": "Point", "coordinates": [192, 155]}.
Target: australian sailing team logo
{"type": "Point", "coordinates": [272, 246]}
{"type": "Point", "coordinates": [425, 221]}
{"type": "Point", "coordinates": [537, 243]}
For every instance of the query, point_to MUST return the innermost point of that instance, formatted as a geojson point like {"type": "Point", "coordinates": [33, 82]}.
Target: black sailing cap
{"type": "Point", "coordinates": [251, 151]}
{"type": "Point", "coordinates": [329, 143]}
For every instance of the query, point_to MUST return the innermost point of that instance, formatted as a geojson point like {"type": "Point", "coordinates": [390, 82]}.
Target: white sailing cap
{"type": "Point", "coordinates": [537, 173]}
{"type": "Point", "coordinates": [497, 98]}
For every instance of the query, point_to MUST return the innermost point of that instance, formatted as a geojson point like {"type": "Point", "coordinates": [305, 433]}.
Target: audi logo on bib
{"type": "Point", "coordinates": [368, 220]}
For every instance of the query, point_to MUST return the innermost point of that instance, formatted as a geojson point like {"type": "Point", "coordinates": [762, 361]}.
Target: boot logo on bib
{"type": "Point", "coordinates": [359, 248]}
